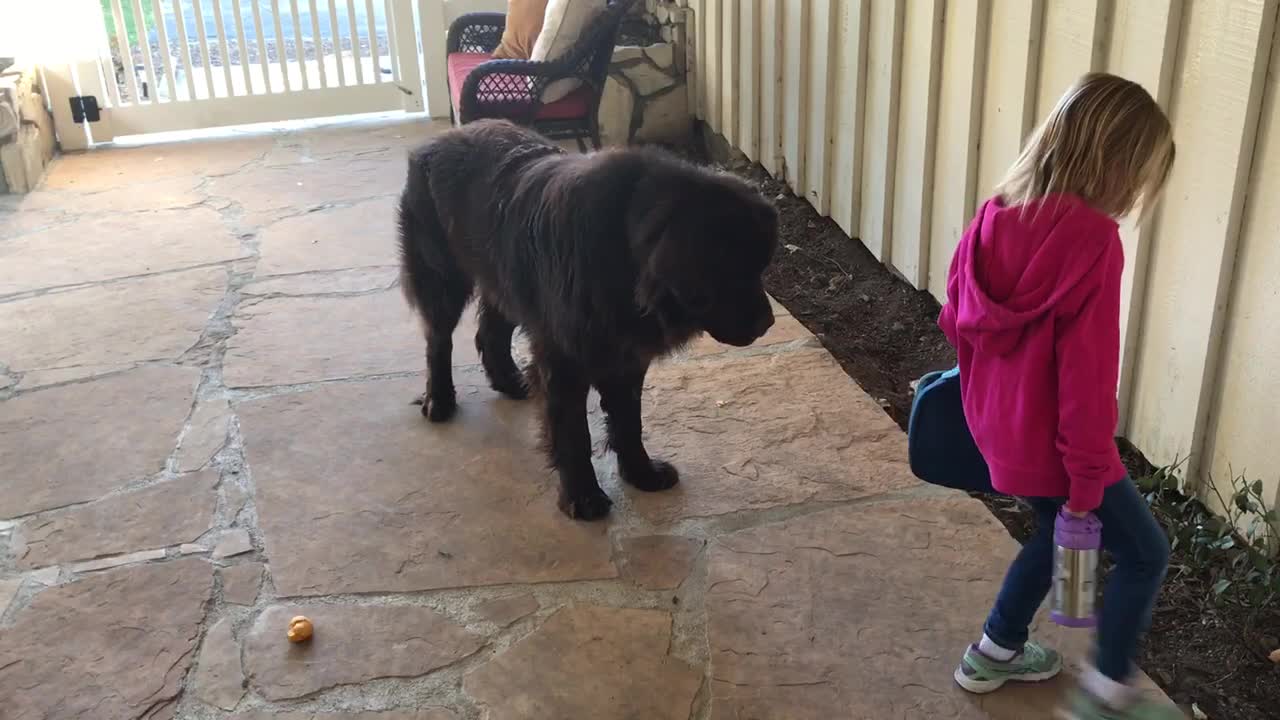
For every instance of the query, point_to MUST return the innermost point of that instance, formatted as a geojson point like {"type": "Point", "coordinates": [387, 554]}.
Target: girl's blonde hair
{"type": "Point", "coordinates": [1106, 141]}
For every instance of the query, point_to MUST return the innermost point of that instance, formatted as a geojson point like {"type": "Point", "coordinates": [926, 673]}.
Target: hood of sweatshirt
{"type": "Point", "coordinates": [1016, 264]}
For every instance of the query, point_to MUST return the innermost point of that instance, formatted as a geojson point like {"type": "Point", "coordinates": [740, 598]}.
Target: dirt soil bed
{"type": "Point", "coordinates": [883, 333]}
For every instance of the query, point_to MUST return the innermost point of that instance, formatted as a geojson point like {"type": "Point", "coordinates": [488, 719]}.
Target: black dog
{"type": "Point", "coordinates": [607, 261]}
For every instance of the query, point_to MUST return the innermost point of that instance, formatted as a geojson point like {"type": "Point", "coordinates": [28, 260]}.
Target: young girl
{"type": "Point", "coordinates": [1033, 310]}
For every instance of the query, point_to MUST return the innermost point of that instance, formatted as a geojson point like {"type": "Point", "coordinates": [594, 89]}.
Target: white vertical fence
{"type": "Point", "coordinates": [165, 65]}
{"type": "Point", "coordinates": [896, 117]}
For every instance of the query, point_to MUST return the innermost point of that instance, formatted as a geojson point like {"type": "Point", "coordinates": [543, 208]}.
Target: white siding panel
{"type": "Point", "coordinates": [795, 85]}
{"type": "Point", "coordinates": [748, 67]}
{"type": "Point", "coordinates": [1242, 440]}
{"type": "Point", "coordinates": [959, 115]}
{"type": "Point", "coordinates": [715, 60]}
{"type": "Point", "coordinates": [849, 92]}
{"type": "Point", "coordinates": [819, 137]}
{"type": "Point", "coordinates": [917, 127]}
{"type": "Point", "coordinates": [1216, 98]}
{"type": "Point", "coordinates": [884, 55]}
{"type": "Point", "coordinates": [1009, 99]}
{"type": "Point", "coordinates": [1144, 44]}
{"type": "Point", "coordinates": [772, 70]}
{"type": "Point", "coordinates": [729, 73]}
{"type": "Point", "coordinates": [1075, 42]}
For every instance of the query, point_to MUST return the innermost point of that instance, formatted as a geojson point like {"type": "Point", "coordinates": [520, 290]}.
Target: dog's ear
{"type": "Point", "coordinates": [673, 229]}
{"type": "Point", "coordinates": [649, 218]}
{"type": "Point", "coordinates": [648, 228]}
{"type": "Point", "coordinates": [674, 259]}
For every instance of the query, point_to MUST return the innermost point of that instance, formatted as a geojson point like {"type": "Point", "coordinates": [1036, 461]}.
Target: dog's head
{"type": "Point", "coordinates": [705, 240]}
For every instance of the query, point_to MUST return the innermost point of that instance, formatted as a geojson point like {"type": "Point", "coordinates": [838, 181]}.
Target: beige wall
{"type": "Point", "coordinates": [896, 117]}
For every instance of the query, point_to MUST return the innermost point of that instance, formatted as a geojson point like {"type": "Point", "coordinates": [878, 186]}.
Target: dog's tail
{"type": "Point", "coordinates": [421, 233]}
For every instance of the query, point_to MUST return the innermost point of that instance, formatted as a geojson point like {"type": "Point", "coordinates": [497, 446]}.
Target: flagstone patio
{"type": "Point", "coordinates": [205, 429]}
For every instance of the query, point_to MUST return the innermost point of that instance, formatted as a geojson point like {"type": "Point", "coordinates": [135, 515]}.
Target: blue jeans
{"type": "Point", "coordinates": [1141, 553]}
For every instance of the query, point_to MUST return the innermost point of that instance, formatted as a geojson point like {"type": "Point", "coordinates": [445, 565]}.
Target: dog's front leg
{"type": "Point", "coordinates": [620, 397]}
{"type": "Point", "coordinates": [569, 442]}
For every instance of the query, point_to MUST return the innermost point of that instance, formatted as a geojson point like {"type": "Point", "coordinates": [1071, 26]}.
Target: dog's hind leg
{"type": "Point", "coordinates": [620, 398]}
{"type": "Point", "coordinates": [493, 341]}
{"type": "Point", "coordinates": [440, 291]}
{"type": "Point", "coordinates": [440, 401]}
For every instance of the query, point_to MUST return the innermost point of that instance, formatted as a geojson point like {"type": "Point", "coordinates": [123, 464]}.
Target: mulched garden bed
{"type": "Point", "coordinates": [883, 333]}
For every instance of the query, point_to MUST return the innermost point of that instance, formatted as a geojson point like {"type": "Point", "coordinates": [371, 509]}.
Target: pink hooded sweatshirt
{"type": "Point", "coordinates": [1033, 310]}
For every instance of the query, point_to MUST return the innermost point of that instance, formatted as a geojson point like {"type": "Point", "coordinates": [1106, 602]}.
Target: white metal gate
{"type": "Point", "coordinates": [163, 65]}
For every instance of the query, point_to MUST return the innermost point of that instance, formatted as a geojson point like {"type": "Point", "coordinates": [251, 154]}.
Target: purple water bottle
{"type": "Point", "coordinates": [1077, 543]}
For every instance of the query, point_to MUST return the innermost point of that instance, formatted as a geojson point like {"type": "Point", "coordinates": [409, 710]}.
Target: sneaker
{"type": "Point", "coordinates": [1083, 706]}
{"type": "Point", "coordinates": [980, 674]}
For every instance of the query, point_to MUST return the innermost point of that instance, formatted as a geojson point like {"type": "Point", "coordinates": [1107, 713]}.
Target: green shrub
{"type": "Point", "coordinates": [130, 22]}
{"type": "Point", "coordinates": [1236, 548]}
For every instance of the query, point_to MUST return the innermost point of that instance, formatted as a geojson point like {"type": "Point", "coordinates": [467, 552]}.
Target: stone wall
{"type": "Point", "coordinates": [646, 97]}
{"type": "Point", "coordinates": [26, 130]}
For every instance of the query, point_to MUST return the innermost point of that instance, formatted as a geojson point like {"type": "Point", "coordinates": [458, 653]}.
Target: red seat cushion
{"type": "Point", "coordinates": [573, 106]}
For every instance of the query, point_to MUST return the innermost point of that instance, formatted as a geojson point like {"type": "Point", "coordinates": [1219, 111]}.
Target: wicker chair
{"type": "Point", "coordinates": [481, 87]}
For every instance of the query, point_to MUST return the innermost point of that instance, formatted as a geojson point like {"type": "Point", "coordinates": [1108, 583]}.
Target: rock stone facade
{"type": "Point", "coordinates": [646, 97]}
{"type": "Point", "coordinates": [26, 130]}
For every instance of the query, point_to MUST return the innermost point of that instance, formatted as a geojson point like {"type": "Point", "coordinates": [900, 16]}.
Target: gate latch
{"type": "Point", "coordinates": [85, 107]}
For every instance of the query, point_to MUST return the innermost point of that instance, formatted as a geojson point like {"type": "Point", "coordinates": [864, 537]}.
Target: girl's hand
{"type": "Point", "coordinates": [1075, 514]}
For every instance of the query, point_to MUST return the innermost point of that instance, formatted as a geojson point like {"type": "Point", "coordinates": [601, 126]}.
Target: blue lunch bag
{"type": "Point", "coordinates": [940, 447]}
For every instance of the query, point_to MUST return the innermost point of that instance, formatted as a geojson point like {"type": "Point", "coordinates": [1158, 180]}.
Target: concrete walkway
{"type": "Point", "coordinates": [206, 371]}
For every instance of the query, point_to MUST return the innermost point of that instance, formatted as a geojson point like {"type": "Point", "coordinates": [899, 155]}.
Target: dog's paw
{"type": "Point", "coordinates": [438, 409]}
{"type": "Point", "coordinates": [587, 506]}
{"type": "Point", "coordinates": [660, 475]}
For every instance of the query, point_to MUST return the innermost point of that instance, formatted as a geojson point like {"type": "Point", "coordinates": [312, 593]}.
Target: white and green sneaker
{"type": "Point", "coordinates": [981, 674]}
{"type": "Point", "coordinates": [1083, 706]}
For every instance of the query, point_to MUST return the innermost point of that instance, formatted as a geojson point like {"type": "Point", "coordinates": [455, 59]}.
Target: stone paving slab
{"type": "Point", "coordinates": [658, 562]}
{"type": "Point", "coordinates": [80, 333]}
{"type": "Point", "coordinates": [351, 644]}
{"type": "Point", "coordinates": [219, 675]}
{"type": "Point", "coordinates": [760, 431]}
{"type": "Point", "coordinates": [113, 247]}
{"type": "Point", "coordinates": [433, 714]}
{"type": "Point", "coordinates": [356, 492]}
{"type": "Point", "coordinates": [166, 194]}
{"type": "Point", "coordinates": [290, 340]}
{"type": "Point", "coordinates": [268, 193]}
{"type": "Point", "coordinates": [503, 611]}
{"type": "Point", "coordinates": [96, 171]}
{"type": "Point", "coordinates": [241, 583]}
{"type": "Point", "coordinates": [205, 435]}
{"type": "Point", "coordinates": [8, 589]}
{"type": "Point", "coordinates": [233, 542]}
{"type": "Point", "coordinates": [360, 280]}
{"type": "Point", "coordinates": [15, 220]}
{"type": "Point", "coordinates": [113, 645]}
{"type": "Point", "coordinates": [589, 662]}
{"type": "Point", "coordinates": [170, 513]}
{"type": "Point", "coordinates": [75, 443]}
{"type": "Point", "coordinates": [359, 235]}
{"type": "Point", "coordinates": [361, 140]}
{"type": "Point", "coordinates": [36, 379]}
{"type": "Point", "coordinates": [863, 612]}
